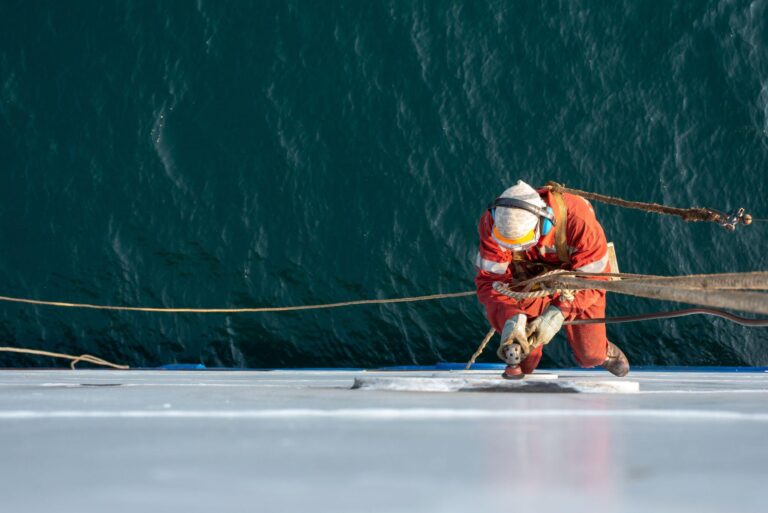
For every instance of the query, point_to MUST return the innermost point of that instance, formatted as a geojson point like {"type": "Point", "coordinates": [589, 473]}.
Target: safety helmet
{"type": "Point", "coordinates": [520, 217]}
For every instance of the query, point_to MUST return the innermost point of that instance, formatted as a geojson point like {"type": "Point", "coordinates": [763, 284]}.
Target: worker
{"type": "Point", "coordinates": [524, 233]}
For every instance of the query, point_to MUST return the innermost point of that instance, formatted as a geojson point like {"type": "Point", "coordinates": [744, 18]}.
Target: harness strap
{"type": "Point", "coordinates": [561, 213]}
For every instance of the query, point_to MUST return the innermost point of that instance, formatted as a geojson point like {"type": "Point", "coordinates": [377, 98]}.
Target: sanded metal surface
{"type": "Point", "coordinates": [120, 441]}
{"type": "Point", "coordinates": [536, 383]}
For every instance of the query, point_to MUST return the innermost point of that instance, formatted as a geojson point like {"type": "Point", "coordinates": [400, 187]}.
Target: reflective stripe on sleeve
{"type": "Point", "coordinates": [597, 266]}
{"type": "Point", "coordinates": [490, 266]}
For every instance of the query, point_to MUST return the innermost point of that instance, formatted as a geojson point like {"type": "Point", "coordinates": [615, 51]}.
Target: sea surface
{"type": "Point", "coordinates": [275, 153]}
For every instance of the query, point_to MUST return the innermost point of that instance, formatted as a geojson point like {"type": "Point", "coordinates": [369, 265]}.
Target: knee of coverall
{"type": "Point", "coordinates": [588, 344]}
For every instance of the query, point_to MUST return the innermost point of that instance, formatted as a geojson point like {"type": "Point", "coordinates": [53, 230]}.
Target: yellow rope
{"type": "Point", "coordinates": [75, 359]}
{"type": "Point", "coordinates": [99, 361]}
{"type": "Point", "coordinates": [238, 310]}
{"type": "Point", "coordinates": [684, 286]}
{"type": "Point", "coordinates": [754, 280]}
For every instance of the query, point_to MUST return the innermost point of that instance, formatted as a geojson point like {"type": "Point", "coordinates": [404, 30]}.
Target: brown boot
{"type": "Point", "coordinates": [616, 363]}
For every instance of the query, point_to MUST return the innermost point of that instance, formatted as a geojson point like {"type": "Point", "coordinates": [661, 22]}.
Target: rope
{"type": "Point", "coordinates": [480, 348]}
{"type": "Point", "coordinates": [238, 310]}
{"type": "Point", "coordinates": [733, 280]}
{"type": "Point", "coordinates": [745, 301]}
{"type": "Point", "coordinates": [734, 291]}
{"type": "Point", "coordinates": [754, 323]}
{"type": "Point", "coordinates": [687, 214]}
{"type": "Point", "coordinates": [723, 281]}
{"type": "Point", "coordinates": [99, 361]}
{"type": "Point", "coordinates": [75, 359]}
{"type": "Point", "coordinates": [719, 290]}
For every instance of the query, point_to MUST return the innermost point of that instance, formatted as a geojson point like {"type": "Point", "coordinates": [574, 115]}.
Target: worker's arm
{"type": "Point", "coordinates": [493, 264]}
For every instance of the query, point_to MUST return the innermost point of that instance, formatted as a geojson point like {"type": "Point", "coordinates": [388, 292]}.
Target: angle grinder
{"type": "Point", "coordinates": [513, 354]}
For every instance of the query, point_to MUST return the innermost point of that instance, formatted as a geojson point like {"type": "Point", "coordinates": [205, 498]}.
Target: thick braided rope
{"type": "Point", "coordinates": [686, 214]}
{"type": "Point", "coordinates": [525, 286]}
{"type": "Point", "coordinates": [503, 288]}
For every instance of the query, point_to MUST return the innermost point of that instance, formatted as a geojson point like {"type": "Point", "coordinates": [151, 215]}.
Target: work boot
{"type": "Point", "coordinates": [616, 363]}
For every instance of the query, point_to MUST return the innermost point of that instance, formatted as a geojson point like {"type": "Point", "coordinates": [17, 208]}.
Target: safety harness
{"type": "Point", "coordinates": [561, 214]}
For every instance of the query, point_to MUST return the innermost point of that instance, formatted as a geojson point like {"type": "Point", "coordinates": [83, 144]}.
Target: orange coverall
{"type": "Point", "coordinates": [588, 251]}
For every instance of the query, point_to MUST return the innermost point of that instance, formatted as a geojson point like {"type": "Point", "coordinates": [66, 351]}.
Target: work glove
{"type": "Point", "coordinates": [514, 332]}
{"type": "Point", "coordinates": [544, 327]}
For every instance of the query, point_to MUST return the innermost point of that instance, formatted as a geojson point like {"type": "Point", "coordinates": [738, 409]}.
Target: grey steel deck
{"type": "Point", "coordinates": [140, 441]}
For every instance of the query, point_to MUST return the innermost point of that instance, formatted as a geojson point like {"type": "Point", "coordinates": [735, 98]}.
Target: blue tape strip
{"type": "Point", "coordinates": [446, 366]}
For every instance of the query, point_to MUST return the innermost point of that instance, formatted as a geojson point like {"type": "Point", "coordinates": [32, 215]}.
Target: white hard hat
{"type": "Point", "coordinates": [515, 228]}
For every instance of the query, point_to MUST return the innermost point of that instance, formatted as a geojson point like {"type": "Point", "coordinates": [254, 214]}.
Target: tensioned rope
{"type": "Point", "coordinates": [728, 290]}
{"type": "Point", "coordinates": [735, 291]}
{"type": "Point", "coordinates": [99, 361]}
{"type": "Point", "coordinates": [720, 290]}
{"type": "Point", "coordinates": [266, 309]}
{"type": "Point", "coordinates": [727, 220]}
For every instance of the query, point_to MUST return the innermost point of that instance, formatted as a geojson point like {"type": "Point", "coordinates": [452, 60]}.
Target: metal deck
{"type": "Point", "coordinates": [305, 441]}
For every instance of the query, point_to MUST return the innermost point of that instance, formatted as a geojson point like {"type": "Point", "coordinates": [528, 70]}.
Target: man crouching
{"type": "Point", "coordinates": [524, 233]}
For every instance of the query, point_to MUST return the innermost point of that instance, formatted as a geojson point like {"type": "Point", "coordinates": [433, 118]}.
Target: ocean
{"type": "Point", "coordinates": [218, 154]}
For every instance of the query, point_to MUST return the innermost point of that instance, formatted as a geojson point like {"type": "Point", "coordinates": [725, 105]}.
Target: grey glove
{"type": "Point", "coordinates": [514, 332]}
{"type": "Point", "coordinates": [543, 329]}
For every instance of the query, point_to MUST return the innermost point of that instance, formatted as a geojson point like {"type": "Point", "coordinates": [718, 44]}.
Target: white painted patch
{"type": "Point", "coordinates": [475, 375]}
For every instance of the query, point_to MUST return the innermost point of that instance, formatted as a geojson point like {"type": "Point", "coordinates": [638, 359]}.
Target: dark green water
{"type": "Point", "coordinates": [236, 154]}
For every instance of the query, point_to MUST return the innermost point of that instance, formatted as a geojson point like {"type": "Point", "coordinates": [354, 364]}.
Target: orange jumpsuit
{"type": "Point", "coordinates": [588, 252]}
